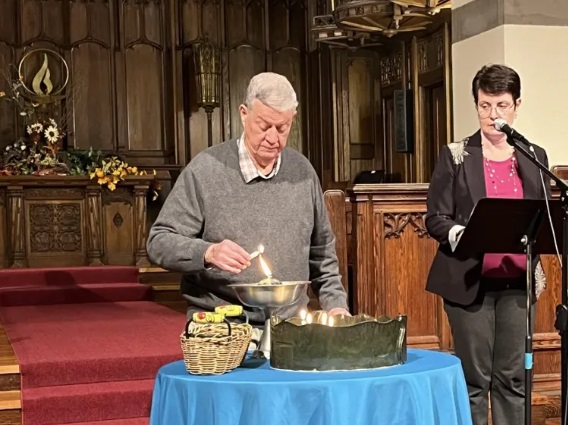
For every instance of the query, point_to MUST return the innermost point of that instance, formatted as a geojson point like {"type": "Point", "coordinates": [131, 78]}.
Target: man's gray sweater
{"type": "Point", "coordinates": [211, 202]}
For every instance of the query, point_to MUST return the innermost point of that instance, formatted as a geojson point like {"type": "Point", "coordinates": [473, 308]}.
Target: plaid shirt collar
{"type": "Point", "coordinates": [248, 169]}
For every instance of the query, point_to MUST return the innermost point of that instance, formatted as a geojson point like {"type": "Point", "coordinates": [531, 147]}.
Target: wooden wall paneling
{"type": "Point", "coordinates": [340, 127]}
{"type": "Point", "coordinates": [546, 341]}
{"type": "Point", "coordinates": [9, 38]}
{"type": "Point", "coordinates": [246, 52]}
{"type": "Point", "coordinates": [393, 75]}
{"type": "Point", "coordinates": [363, 112]}
{"type": "Point", "coordinates": [92, 92]}
{"type": "Point", "coordinates": [431, 109]}
{"type": "Point", "coordinates": [448, 81]}
{"type": "Point", "coordinates": [321, 119]}
{"type": "Point", "coordinates": [118, 212]}
{"type": "Point", "coordinates": [356, 131]}
{"type": "Point", "coordinates": [16, 227]}
{"type": "Point", "coordinates": [143, 41]}
{"type": "Point", "coordinates": [4, 238]}
{"type": "Point", "coordinates": [174, 105]}
{"type": "Point", "coordinates": [200, 20]}
{"type": "Point", "coordinates": [287, 26]}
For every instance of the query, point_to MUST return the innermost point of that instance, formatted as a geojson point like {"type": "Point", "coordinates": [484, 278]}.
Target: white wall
{"type": "Point", "coordinates": [537, 53]}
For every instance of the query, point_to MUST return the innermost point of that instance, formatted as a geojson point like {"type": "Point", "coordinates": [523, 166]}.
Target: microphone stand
{"type": "Point", "coordinates": [561, 323]}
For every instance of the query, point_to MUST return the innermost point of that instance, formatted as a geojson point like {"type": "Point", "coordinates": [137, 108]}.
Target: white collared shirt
{"type": "Point", "coordinates": [248, 169]}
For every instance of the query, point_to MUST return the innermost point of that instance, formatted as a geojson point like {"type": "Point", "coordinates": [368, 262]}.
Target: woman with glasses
{"type": "Point", "coordinates": [484, 298]}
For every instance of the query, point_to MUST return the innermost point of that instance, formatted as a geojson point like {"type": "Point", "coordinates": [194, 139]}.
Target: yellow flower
{"type": "Point", "coordinates": [100, 173]}
{"type": "Point", "coordinates": [102, 180]}
{"type": "Point", "coordinates": [111, 186]}
{"type": "Point", "coordinates": [2, 94]}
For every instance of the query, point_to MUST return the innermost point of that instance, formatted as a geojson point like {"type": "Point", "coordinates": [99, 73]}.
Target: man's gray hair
{"type": "Point", "coordinates": [274, 90]}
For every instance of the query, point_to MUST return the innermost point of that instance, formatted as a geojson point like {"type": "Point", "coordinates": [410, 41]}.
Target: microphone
{"type": "Point", "coordinates": [501, 125]}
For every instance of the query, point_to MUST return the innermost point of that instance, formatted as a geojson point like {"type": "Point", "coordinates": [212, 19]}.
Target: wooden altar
{"type": "Point", "coordinates": [52, 221]}
{"type": "Point", "coordinates": [390, 257]}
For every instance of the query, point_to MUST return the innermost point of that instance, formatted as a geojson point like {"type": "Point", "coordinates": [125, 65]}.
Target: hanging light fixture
{"type": "Point", "coordinates": [207, 60]}
{"type": "Point", "coordinates": [360, 23]}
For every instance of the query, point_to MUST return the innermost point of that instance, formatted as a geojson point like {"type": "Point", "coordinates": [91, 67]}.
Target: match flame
{"type": "Point", "coordinates": [261, 249]}
{"type": "Point", "coordinates": [265, 267]}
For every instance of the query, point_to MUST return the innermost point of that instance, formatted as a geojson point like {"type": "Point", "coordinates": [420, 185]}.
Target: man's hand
{"type": "Point", "coordinates": [338, 310]}
{"type": "Point", "coordinates": [227, 256]}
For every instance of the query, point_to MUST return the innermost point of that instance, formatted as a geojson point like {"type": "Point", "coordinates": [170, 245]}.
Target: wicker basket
{"type": "Point", "coordinates": [214, 349]}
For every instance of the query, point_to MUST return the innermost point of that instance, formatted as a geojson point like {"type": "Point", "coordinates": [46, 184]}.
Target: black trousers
{"type": "Point", "coordinates": [489, 339]}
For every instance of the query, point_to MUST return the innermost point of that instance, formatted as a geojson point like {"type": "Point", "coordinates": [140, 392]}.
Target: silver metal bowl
{"type": "Point", "coordinates": [269, 296]}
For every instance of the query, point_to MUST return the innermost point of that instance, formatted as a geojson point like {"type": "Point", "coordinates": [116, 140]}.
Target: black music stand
{"type": "Point", "coordinates": [515, 226]}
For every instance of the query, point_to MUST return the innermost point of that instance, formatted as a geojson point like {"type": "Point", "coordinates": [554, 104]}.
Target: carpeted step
{"type": "Point", "coordinates": [66, 344]}
{"type": "Point", "coordinates": [68, 276]}
{"type": "Point", "coordinates": [69, 294]}
{"type": "Point", "coordinates": [87, 402]}
{"type": "Point", "coordinates": [130, 421]}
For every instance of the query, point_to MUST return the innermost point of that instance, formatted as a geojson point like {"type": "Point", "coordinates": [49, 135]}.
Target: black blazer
{"type": "Point", "coordinates": [457, 185]}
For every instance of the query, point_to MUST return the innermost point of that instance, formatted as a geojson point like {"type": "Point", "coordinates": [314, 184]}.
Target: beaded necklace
{"type": "Point", "coordinates": [498, 179]}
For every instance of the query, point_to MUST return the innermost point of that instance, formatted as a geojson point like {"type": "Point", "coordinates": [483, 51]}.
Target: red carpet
{"type": "Point", "coordinates": [83, 362]}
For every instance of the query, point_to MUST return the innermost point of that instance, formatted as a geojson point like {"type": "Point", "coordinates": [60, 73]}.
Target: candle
{"type": "Point", "coordinates": [330, 321]}
{"type": "Point", "coordinates": [323, 319]}
{"type": "Point", "coordinates": [303, 316]}
{"type": "Point", "coordinates": [256, 253]}
{"type": "Point", "coordinates": [309, 318]}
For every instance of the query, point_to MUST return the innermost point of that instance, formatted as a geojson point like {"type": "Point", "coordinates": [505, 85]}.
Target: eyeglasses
{"type": "Point", "coordinates": [485, 110]}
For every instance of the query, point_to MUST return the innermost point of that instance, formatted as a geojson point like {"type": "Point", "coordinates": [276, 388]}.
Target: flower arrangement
{"type": "Point", "coordinates": [113, 169]}
{"type": "Point", "coordinates": [40, 150]}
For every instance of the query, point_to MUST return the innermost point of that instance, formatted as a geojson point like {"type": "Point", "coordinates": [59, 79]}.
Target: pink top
{"type": "Point", "coordinates": [502, 181]}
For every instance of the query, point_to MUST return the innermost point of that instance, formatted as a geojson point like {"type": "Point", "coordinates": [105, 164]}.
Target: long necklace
{"type": "Point", "coordinates": [497, 180]}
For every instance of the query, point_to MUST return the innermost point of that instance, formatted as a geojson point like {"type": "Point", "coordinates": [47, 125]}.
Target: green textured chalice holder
{"type": "Point", "coordinates": [349, 343]}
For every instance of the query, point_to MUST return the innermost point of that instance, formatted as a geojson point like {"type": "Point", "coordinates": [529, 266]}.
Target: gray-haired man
{"type": "Point", "coordinates": [245, 192]}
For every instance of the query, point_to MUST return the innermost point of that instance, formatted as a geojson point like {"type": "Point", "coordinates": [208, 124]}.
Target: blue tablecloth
{"type": "Point", "coordinates": [428, 390]}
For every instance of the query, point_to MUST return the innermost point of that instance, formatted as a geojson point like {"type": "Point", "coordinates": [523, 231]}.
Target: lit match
{"type": "Point", "coordinates": [256, 253]}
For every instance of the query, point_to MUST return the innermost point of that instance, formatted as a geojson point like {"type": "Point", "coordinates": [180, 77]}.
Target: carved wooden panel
{"type": "Point", "coordinates": [406, 255]}
{"type": "Point", "coordinates": [431, 52]}
{"type": "Point", "coordinates": [54, 227]}
{"type": "Point", "coordinates": [392, 68]}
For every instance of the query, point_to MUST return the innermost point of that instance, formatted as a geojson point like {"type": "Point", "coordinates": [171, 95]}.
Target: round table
{"type": "Point", "coordinates": [429, 389]}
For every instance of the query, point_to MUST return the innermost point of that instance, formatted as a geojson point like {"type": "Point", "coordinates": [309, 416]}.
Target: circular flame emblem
{"type": "Point", "coordinates": [42, 85]}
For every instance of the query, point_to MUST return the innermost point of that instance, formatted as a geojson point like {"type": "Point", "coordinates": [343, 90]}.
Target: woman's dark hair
{"type": "Point", "coordinates": [496, 79]}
